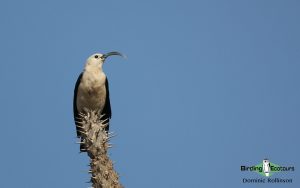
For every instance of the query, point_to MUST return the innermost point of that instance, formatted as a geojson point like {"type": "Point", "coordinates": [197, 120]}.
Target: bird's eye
{"type": "Point", "coordinates": [96, 56]}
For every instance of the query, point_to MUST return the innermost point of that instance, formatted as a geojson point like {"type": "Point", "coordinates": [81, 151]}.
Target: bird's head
{"type": "Point", "coordinates": [266, 161]}
{"type": "Point", "coordinates": [97, 60]}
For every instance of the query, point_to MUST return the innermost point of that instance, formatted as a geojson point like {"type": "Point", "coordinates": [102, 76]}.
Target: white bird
{"type": "Point", "coordinates": [91, 92]}
{"type": "Point", "coordinates": [266, 167]}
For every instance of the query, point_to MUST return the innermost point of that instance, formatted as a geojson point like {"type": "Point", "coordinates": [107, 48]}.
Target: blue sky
{"type": "Point", "coordinates": [208, 86]}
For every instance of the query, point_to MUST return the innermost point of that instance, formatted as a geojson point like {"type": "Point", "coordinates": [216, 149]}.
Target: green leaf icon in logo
{"type": "Point", "coordinates": [266, 168]}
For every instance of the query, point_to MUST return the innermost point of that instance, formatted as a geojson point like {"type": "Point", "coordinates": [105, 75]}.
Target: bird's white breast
{"type": "Point", "coordinates": [91, 91]}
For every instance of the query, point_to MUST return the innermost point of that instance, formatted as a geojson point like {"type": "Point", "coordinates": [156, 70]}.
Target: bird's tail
{"type": "Point", "coordinates": [82, 146]}
{"type": "Point", "coordinates": [79, 131]}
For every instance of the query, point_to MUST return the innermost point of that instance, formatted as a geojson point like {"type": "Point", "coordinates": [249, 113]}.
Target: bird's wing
{"type": "Point", "coordinates": [106, 112]}
{"type": "Point", "coordinates": [77, 118]}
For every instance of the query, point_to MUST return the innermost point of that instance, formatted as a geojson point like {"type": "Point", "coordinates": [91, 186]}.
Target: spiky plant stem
{"type": "Point", "coordinates": [96, 140]}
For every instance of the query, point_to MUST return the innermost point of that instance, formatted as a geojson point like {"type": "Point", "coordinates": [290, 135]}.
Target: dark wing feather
{"type": "Point", "coordinates": [77, 118]}
{"type": "Point", "coordinates": [106, 112]}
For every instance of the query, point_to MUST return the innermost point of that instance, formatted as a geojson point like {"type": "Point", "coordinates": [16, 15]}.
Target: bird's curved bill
{"type": "Point", "coordinates": [113, 53]}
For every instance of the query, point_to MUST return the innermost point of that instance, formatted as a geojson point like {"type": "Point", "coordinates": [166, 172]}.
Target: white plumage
{"type": "Point", "coordinates": [91, 91]}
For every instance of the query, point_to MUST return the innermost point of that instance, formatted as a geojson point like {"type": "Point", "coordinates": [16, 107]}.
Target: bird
{"type": "Point", "coordinates": [92, 92]}
{"type": "Point", "coordinates": [266, 167]}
